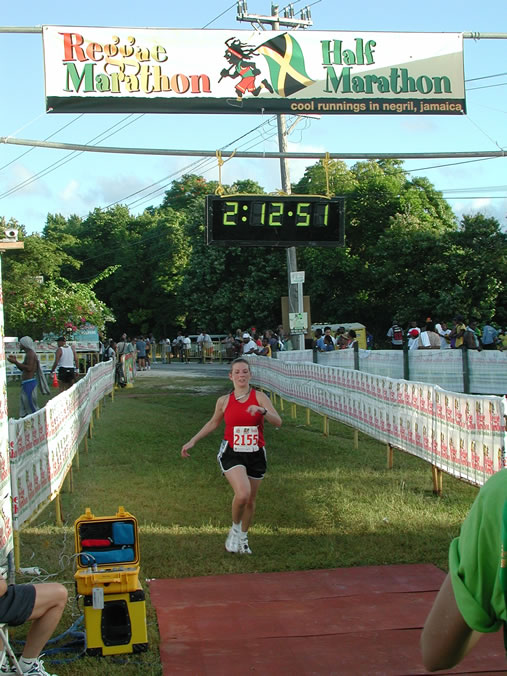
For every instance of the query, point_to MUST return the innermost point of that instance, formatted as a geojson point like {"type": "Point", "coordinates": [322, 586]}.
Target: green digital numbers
{"type": "Point", "coordinates": [303, 214]}
{"type": "Point", "coordinates": [275, 214]}
{"type": "Point", "coordinates": [258, 213]}
{"type": "Point", "coordinates": [230, 213]}
{"type": "Point", "coordinates": [321, 215]}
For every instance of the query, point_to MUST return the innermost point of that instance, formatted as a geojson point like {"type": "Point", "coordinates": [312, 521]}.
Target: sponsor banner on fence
{"type": "Point", "coordinates": [43, 445]}
{"type": "Point", "coordinates": [6, 541]}
{"type": "Point", "coordinates": [460, 433]}
{"type": "Point", "coordinates": [92, 69]}
{"type": "Point", "coordinates": [487, 369]}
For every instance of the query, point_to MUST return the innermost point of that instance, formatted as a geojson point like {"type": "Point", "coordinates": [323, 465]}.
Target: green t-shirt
{"type": "Point", "coordinates": [474, 559]}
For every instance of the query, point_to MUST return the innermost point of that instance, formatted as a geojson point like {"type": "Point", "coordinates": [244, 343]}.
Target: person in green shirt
{"type": "Point", "coordinates": [471, 600]}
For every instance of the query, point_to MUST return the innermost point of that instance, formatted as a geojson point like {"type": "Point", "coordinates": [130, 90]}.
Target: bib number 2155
{"type": "Point", "coordinates": [246, 439]}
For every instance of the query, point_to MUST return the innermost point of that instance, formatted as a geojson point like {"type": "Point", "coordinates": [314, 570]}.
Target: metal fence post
{"type": "Point", "coordinates": [466, 369]}
{"type": "Point", "coordinates": [406, 367]}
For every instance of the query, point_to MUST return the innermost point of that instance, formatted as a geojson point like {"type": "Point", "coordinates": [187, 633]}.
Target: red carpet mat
{"type": "Point", "coordinates": [365, 621]}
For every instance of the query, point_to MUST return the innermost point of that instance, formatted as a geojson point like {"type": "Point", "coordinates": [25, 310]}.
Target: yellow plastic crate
{"type": "Point", "coordinates": [107, 549]}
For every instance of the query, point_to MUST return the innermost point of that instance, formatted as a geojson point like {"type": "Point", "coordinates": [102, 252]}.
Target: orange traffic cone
{"type": "Point", "coordinates": [55, 380]}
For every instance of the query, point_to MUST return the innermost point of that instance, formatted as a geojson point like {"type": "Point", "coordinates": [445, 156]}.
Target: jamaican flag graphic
{"type": "Point", "coordinates": [286, 64]}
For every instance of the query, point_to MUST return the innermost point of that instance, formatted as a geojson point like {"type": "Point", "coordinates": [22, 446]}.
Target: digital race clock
{"type": "Point", "coordinates": [267, 220]}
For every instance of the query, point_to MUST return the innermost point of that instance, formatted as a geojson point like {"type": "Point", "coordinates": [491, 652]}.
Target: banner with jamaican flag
{"type": "Point", "coordinates": [142, 70]}
{"type": "Point", "coordinates": [286, 63]}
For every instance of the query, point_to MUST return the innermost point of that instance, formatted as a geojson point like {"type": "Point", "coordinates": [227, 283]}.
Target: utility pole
{"type": "Point", "coordinates": [287, 20]}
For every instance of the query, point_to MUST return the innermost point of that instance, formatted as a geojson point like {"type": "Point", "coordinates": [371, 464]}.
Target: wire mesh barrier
{"type": "Point", "coordinates": [483, 372]}
{"type": "Point", "coordinates": [43, 445]}
{"type": "Point", "coordinates": [461, 434]}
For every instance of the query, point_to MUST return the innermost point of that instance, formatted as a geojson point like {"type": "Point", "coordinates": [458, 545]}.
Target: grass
{"type": "Point", "coordinates": [323, 504]}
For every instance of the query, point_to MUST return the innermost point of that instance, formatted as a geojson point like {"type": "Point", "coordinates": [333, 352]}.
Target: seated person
{"type": "Point", "coordinates": [471, 600]}
{"type": "Point", "coordinates": [41, 604]}
{"type": "Point", "coordinates": [328, 345]}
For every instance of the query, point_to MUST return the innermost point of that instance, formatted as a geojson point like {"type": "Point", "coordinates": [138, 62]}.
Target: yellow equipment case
{"type": "Point", "coordinates": [107, 549]}
{"type": "Point", "coordinates": [108, 553]}
{"type": "Point", "coordinates": [117, 628]}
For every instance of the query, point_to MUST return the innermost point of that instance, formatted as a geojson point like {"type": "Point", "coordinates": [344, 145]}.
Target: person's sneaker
{"type": "Point", "coordinates": [232, 541]}
{"type": "Point", "coordinates": [6, 669]}
{"type": "Point", "coordinates": [37, 669]}
{"type": "Point", "coordinates": [243, 545]}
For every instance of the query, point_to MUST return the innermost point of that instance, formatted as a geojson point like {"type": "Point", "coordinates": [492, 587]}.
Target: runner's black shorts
{"type": "Point", "coordinates": [65, 375]}
{"type": "Point", "coordinates": [16, 605]}
{"type": "Point", "coordinates": [255, 463]}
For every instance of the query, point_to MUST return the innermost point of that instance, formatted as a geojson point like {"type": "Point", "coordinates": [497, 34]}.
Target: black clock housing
{"type": "Point", "coordinates": [281, 221]}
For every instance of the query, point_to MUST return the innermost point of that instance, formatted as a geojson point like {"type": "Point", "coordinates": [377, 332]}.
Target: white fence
{"type": "Point", "coordinates": [487, 369]}
{"type": "Point", "coordinates": [461, 434]}
{"type": "Point", "coordinates": [42, 445]}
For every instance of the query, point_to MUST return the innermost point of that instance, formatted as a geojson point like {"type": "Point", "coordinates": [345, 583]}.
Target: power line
{"type": "Point", "coordinates": [65, 160]}
{"type": "Point", "coordinates": [220, 15]}
{"type": "Point", "coordinates": [484, 77]}
{"type": "Point", "coordinates": [188, 166]}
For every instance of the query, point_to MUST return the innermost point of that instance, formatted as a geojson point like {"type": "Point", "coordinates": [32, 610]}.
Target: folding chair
{"type": "Point", "coordinates": [7, 650]}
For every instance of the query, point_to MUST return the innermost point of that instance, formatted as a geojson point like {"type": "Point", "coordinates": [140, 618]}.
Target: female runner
{"type": "Point", "coordinates": [242, 456]}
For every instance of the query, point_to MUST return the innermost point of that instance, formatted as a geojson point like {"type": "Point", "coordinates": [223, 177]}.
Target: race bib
{"type": "Point", "coordinates": [246, 439]}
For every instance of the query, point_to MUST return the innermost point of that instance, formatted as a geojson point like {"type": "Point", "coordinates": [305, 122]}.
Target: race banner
{"type": "Point", "coordinates": [148, 70]}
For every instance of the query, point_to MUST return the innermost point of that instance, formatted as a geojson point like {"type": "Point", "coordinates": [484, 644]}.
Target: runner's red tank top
{"type": "Point", "coordinates": [236, 415]}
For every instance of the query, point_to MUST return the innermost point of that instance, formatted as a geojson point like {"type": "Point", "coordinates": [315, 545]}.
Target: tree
{"type": "Point", "coordinates": [38, 300]}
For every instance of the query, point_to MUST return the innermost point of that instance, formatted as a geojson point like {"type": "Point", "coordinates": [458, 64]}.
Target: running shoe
{"type": "Point", "coordinates": [243, 545]}
{"type": "Point", "coordinates": [232, 541]}
{"type": "Point", "coordinates": [37, 669]}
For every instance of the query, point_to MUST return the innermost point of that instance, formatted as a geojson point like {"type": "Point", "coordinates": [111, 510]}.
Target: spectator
{"type": "Point", "coordinates": [429, 339]}
{"type": "Point", "coordinates": [141, 353]}
{"type": "Point", "coordinates": [67, 363]}
{"type": "Point", "coordinates": [40, 604]}
{"type": "Point", "coordinates": [273, 340]}
{"type": "Point", "coordinates": [204, 346]}
{"type": "Point", "coordinates": [489, 336]}
{"type": "Point", "coordinates": [471, 600]}
{"type": "Point", "coordinates": [177, 345]}
{"type": "Point", "coordinates": [444, 333]}
{"type": "Point", "coordinates": [470, 338]}
{"type": "Point", "coordinates": [341, 339]}
{"type": "Point", "coordinates": [318, 342]}
{"type": "Point", "coordinates": [265, 350]}
{"type": "Point", "coordinates": [327, 332]}
{"type": "Point", "coordinates": [186, 348]}
{"type": "Point", "coordinates": [249, 346]}
{"type": "Point", "coordinates": [413, 335]}
{"type": "Point", "coordinates": [457, 331]}
{"type": "Point", "coordinates": [395, 333]}
{"type": "Point", "coordinates": [352, 338]}
{"type": "Point", "coordinates": [147, 348]}
{"type": "Point", "coordinates": [31, 372]}
{"type": "Point", "coordinates": [228, 343]}
{"type": "Point", "coordinates": [328, 345]}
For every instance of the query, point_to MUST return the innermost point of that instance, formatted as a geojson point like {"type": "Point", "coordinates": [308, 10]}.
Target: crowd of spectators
{"type": "Point", "coordinates": [447, 336]}
{"type": "Point", "coordinates": [324, 340]}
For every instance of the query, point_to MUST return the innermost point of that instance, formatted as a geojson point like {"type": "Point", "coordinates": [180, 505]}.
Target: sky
{"type": "Point", "coordinates": [38, 181]}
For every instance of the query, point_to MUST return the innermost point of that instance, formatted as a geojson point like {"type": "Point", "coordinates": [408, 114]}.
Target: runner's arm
{"type": "Point", "coordinates": [265, 404]}
{"type": "Point", "coordinates": [209, 427]}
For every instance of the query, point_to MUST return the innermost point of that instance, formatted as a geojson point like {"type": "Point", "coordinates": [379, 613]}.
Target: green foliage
{"type": "Point", "coordinates": [38, 300]}
{"type": "Point", "coordinates": [405, 256]}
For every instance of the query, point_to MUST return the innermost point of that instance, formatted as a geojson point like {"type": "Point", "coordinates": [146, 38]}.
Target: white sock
{"type": "Point", "coordinates": [236, 527]}
{"type": "Point", "coordinates": [25, 663]}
